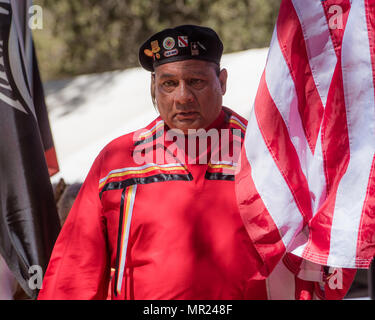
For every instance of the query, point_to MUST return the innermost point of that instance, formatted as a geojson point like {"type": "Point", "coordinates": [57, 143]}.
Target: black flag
{"type": "Point", "coordinates": [29, 222]}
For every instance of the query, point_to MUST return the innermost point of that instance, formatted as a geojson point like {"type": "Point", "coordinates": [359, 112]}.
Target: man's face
{"type": "Point", "coordinates": [189, 93]}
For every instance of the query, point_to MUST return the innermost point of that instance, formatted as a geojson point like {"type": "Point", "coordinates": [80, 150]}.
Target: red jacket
{"type": "Point", "coordinates": [170, 231]}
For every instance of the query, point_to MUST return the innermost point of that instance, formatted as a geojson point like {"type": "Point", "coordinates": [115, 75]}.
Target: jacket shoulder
{"type": "Point", "coordinates": [234, 115]}
{"type": "Point", "coordinates": [235, 121]}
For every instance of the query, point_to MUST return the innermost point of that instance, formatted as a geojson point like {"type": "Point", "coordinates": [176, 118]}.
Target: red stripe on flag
{"type": "Point", "coordinates": [292, 262]}
{"type": "Point", "coordinates": [335, 147]}
{"type": "Point", "coordinates": [51, 159]}
{"type": "Point", "coordinates": [276, 137]}
{"type": "Point", "coordinates": [366, 236]}
{"type": "Point", "coordinates": [258, 223]}
{"type": "Point", "coordinates": [304, 289]}
{"type": "Point", "coordinates": [293, 47]}
{"type": "Point", "coordinates": [337, 12]}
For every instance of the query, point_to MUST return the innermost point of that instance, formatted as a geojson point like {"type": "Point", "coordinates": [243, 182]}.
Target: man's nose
{"type": "Point", "coordinates": [184, 95]}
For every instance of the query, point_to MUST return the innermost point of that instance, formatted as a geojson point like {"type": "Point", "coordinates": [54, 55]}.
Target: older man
{"type": "Point", "coordinates": [157, 208]}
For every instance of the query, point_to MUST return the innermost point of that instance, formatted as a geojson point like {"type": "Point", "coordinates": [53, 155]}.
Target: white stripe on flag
{"type": "Point", "coordinates": [320, 50]}
{"type": "Point", "coordinates": [316, 176]}
{"type": "Point", "coordinates": [282, 90]}
{"type": "Point", "coordinates": [281, 283]}
{"type": "Point", "coordinates": [360, 112]}
{"type": "Point", "coordinates": [271, 185]}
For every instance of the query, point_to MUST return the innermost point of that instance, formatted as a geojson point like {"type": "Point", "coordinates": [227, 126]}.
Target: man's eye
{"type": "Point", "coordinates": [196, 82]}
{"type": "Point", "coordinates": [169, 83]}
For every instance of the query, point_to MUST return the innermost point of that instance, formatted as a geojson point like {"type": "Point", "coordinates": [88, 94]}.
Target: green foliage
{"type": "Point", "coordinates": [89, 36]}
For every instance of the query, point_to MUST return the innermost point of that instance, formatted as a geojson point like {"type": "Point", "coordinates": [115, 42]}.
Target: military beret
{"type": "Point", "coordinates": [181, 43]}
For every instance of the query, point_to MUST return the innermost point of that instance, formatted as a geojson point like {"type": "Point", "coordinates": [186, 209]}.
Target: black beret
{"type": "Point", "coordinates": [181, 43]}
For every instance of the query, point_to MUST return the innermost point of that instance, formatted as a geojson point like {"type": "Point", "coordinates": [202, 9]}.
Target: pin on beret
{"type": "Point", "coordinates": [181, 43]}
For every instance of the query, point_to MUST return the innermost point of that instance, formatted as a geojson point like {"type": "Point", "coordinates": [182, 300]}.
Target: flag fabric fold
{"type": "Point", "coordinates": [306, 186]}
{"type": "Point", "coordinates": [29, 223]}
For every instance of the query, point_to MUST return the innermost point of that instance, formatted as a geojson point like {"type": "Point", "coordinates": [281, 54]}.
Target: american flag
{"type": "Point", "coordinates": [307, 181]}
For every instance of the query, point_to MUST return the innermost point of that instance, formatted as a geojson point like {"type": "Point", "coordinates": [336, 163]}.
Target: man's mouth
{"type": "Point", "coordinates": [183, 116]}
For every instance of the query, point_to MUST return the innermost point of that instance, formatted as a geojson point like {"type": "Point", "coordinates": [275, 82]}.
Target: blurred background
{"type": "Point", "coordinates": [91, 36]}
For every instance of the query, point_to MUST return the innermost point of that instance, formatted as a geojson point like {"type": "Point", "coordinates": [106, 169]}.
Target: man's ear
{"type": "Point", "coordinates": [152, 89]}
{"type": "Point", "coordinates": [223, 80]}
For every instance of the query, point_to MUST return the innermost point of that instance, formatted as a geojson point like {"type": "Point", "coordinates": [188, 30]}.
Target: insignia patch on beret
{"type": "Point", "coordinates": [168, 43]}
{"type": "Point", "coordinates": [155, 46]}
{"type": "Point", "coordinates": [171, 53]}
{"type": "Point", "coordinates": [194, 49]}
{"type": "Point", "coordinates": [183, 41]}
{"type": "Point", "coordinates": [202, 46]}
{"type": "Point", "coordinates": [148, 53]}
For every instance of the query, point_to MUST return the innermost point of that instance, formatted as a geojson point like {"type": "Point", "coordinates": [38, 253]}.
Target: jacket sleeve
{"type": "Point", "coordinates": [79, 265]}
